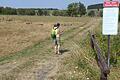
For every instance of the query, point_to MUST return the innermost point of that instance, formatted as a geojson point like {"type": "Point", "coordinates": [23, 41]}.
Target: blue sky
{"type": "Point", "coordinates": [60, 4]}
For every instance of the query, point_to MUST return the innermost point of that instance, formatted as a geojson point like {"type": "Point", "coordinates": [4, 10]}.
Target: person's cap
{"type": "Point", "coordinates": [58, 24]}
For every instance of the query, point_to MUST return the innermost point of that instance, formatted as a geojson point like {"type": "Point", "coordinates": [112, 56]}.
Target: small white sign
{"type": "Point", "coordinates": [110, 21]}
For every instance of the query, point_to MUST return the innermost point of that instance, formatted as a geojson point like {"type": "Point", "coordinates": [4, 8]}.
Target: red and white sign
{"type": "Point", "coordinates": [110, 17]}
{"type": "Point", "coordinates": [111, 4]}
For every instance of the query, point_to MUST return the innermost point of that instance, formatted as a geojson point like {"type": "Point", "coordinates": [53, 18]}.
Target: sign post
{"type": "Point", "coordinates": [110, 21]}
{"type": "Point", "coordinates": [108, 59]}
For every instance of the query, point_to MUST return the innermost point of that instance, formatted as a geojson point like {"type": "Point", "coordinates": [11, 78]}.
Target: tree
{"type": "Point", "coordinates": [1, 9]}
{"type": "Point", "coordinates": [101, 13]}
{"type": "Point", "coordinates": [72, 9]}
{"type": "Point", "coordinates": [21, 11]}
{"type": "Point", "coordinates": [29, 12]}
{"type": "Point", "coordinates": [59, 13]}
{"type": "Point", "coordinates": [56, 13]}
{"type": "Point", "coordinates": [46, 12]}
{"type": "Point", "coordinates": [76, 9]}
{"type": "Point", "coordinates": [8, 11]}
{"type": "Point", "coordinates": [63, 13]}
{"type": "Point", "coordinates": [82, 9]}
{"type": "Point", "coordinates": [91, 13]}
{"type": "Point", "coordinates": [40, 12]}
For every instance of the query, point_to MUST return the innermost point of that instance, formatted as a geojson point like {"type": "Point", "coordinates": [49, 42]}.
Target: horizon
{"type": "Point", "coordinates": [45, 4]}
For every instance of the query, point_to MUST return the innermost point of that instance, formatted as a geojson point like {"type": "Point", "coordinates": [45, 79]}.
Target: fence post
{"type": "Point", "coordinates": [100, 59]}
{"type": "Point", "coordinates": [91, 42]}
{"type": "Point", "coordinates": [103, 76]}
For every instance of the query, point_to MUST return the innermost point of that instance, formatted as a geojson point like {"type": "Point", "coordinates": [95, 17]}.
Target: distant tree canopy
{"type": "Point", "coordinates": [25, 11]}
{"type": "Point", "coordinates": [8, 10]}
{"type": "Point", "coordinates": [1, 9]}
{"type": "Point", "coordinates": [91, 13]}
{"type": "Point", "coordinates": [59, 13]}
{"type": "Point", "coordinates": [76, 9]}
{"type": "Point", "coordinates": [46, 13]}
{"type": "Point", "coordinates": [40, 12]}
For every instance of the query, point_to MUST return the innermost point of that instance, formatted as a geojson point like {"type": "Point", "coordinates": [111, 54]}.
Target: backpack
{"type": "Point", "coordinates": [53, 33]}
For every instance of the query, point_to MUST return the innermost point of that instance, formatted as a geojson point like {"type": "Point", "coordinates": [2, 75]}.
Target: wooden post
{"type": "Point", "coordinates": [105, 70]}
{"type": "Point", "coordinates": [103, 76]}
{"type": "Point", "coordinates": [108, 62]}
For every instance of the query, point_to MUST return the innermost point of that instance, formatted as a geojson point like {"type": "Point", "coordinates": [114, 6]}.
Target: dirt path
{"type": "Point", "coordinates": [43, 64]}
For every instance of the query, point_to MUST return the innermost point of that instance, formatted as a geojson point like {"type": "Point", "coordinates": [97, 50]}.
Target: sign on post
{"type": "Point", "coordinates": [110, 18]}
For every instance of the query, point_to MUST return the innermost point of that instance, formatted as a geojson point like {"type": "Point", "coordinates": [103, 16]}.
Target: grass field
{"type": "Point", "coordinates": [19, 32]}
{"type": "Point", "coordinates": [26, 49]}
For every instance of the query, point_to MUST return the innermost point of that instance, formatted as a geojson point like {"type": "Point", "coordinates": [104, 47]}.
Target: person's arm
{"type": "Point", "coordinates": [61, 32]}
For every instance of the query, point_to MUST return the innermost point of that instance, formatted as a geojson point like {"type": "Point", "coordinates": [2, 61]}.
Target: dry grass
{"type": "Point", "coordinates": [16, 36]}
{"type": "Point", "coordinates": [32, 35]}
{"type": "Point", "coordinates": [19, 32]}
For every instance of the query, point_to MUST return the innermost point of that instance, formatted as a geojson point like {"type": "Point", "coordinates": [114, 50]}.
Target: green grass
{"type": "Point", "coordinates": [83, 57]}
{"type": "Point", "coordinates": [29, 51]}
{"type": "Point", "coordinates": [114, 47]}
{"type": "Point", "coordinates": [78, 65]}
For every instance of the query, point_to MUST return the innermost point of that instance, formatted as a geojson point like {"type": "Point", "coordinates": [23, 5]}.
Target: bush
{"type": "Point", "coordinates": [101, 13]}
{"type": "Point", "coordinates": [91, 13]}
{"type": "Point", "coordinates": [119, 17]}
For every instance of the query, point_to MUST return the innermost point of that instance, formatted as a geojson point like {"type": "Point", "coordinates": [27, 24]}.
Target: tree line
{"type": "Point", "coordinates": [25, 11]}
{"type": "Point", "coordinates": [73, 9]}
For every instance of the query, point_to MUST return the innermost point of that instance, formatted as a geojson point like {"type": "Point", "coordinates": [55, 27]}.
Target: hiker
{"type": "Point", "coordinates": [56, 37]}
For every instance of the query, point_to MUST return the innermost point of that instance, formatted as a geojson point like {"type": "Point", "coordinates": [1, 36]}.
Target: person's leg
{"type": "Point", "coordinates": [59, 49]}
{"type": "Point", "coordinates": [55, 49]}
{"type": "Point", "coordinates": [55, 46]}
{"type": "Point", "coordinates": [58, 45]}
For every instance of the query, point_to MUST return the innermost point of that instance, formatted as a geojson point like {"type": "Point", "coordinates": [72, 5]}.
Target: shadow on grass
{"type": "Point", "coordinates": [64, 51]}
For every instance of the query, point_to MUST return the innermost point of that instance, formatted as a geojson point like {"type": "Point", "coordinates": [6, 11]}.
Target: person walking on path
{"type": "Point", "coordinates": [55, 34]}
